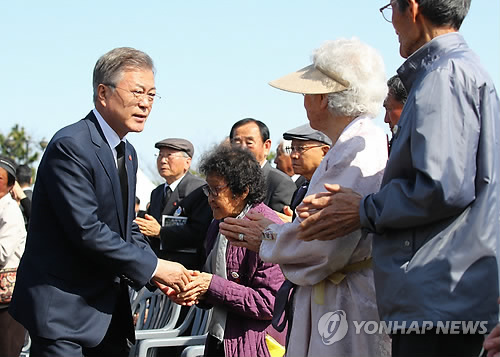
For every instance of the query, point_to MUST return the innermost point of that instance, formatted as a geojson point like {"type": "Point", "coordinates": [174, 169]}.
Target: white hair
{"type": "Point", "coordinates": [360, 65]}
{"type": "Point", "coordinates": [283, 145]}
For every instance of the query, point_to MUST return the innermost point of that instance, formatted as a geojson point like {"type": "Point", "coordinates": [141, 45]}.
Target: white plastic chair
{"type": "Point", "coordinates": [199, 318]}
{"type": "Point", "coordinates": [155, 314]}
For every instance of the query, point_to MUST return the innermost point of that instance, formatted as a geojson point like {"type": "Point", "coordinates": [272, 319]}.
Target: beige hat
{"type": "Point", "coordinates": [311, 80]}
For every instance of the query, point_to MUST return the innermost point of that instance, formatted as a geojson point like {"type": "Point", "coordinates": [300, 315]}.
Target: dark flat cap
{"type": "Point", "coordinates": [177, 144]}
{"type": "Point", "coordinates": [305, 132]}
{"type": "Point", "coordinates": [8, 165]}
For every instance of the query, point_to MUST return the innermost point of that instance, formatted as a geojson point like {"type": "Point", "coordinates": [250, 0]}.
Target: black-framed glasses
{"type": "Point", "coordinates": [139, 94]}
{"type": "Point", "coordinates": [386, 12]}
{"type": "Point", "coordinates": [214, 191]}
{"type": "Point", "coordinates": [300, 149]}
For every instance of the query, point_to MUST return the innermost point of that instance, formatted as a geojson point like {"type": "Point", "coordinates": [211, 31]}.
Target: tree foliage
{"type": "Point", "coordinates": [19, 146]}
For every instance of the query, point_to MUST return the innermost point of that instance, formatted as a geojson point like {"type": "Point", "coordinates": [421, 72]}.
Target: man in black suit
{"type": "Point", "coordinates": [307, 150]}
{"type": "Point", "coordinates": [180, 196]}
{"type": "Point", "coordinates": [254, 135]}
{"type": "Point", "coordinates": [83, 249]}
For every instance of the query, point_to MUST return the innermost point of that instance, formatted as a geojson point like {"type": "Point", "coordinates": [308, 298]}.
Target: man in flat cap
{"type": "Point", "coordinates": [181, 195]}
{"type": "Point", "coordinates": [307, 150]}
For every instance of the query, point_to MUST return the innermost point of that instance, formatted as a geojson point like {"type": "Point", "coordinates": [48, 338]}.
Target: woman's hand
{"type": "Point", "coordinates": [196, 288]}
{"type": "Point", "coordinates": [250, 230]}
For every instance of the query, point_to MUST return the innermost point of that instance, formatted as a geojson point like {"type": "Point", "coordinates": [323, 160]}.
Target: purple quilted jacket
{"type": "Point", "coordinates": [248, 295]}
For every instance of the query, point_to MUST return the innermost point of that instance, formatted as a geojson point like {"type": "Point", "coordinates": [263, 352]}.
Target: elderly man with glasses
{"type": "Point", "coordinates": [178, 215]}
{"type": "Point", "coordinates": [307, 150]}
{"type": "Point", "coordinates": [436, 216]}
{"type": "Point", "coordinates": [83, 250]}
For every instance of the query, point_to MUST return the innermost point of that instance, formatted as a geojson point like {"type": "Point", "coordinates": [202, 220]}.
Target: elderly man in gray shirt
{"type": "Point", "coordinates": [436, 217]}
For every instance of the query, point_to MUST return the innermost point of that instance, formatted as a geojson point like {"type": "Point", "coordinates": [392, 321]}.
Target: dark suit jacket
{"type": "Point", "coordinates": [299, 182]}
{"type": "Point", "coordinates": [79, 244]}
{"type": "Point", "coordinates": [280, 188]}
{"type": "Point", "coordinates": [183, 244]}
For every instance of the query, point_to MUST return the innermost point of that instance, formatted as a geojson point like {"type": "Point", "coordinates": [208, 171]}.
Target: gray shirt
{"type": "Point", "coordinates": [437, 215]}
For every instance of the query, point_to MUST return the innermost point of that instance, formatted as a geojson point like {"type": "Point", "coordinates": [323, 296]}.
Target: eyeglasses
{"type": "Point", "coordinates": [160, 156]}
{"type": "Point", "coordinates": [386, 12]}
{"type": "Point", "coordinates": [138, 94]}
{"type": "Point", "coordinates": [207, 190]}
{"type": "Point", "coordinates": [300, 149]}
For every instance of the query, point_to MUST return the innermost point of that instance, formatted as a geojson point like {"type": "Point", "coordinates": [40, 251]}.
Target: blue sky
{"type": "Point", "coordinates": [213, 59]}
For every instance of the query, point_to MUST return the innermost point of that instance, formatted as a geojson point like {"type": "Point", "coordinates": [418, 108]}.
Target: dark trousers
{"type": "Point", "coordinates": [114, 343]}
{"type": "Point", "coordinates": [440, 345]}
{"type": "Point", "coordinates": [11, 335]}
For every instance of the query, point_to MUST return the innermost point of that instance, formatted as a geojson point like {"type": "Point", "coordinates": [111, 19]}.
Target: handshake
{"type": "Point", "coordinates": [184, 287]}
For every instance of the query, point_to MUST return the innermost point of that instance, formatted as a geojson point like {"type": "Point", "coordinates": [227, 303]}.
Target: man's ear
{"type": "Point", "coordinates": [267, 146]}
{"type": "Point", "coordinates": [102, 94]}
{"type": "Point", "coordinates": [413, 9]}
{"type": "Point", "coordinates": [325, 149]}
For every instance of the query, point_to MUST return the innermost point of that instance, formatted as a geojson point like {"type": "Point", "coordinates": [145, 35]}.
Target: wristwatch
{"type": "Point", "coordinates": [269, 234]}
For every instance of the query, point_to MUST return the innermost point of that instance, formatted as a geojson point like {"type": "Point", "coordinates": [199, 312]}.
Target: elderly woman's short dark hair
{"type": "Point", "coordinates": [239, 168]}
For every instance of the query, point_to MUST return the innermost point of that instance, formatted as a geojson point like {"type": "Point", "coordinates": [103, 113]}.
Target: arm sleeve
{"type": "Point", "coordinates": [70, 180]}
{"type": "Point", "coordinates": [254, 301]}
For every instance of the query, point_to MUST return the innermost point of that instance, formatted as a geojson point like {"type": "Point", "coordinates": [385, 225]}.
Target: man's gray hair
{"type": "Point", "coordinates": [362, 66]}
{"type": "Point", "coordinates": [440, 12]}
{"type": "Point", "coordinates": [110, 66]}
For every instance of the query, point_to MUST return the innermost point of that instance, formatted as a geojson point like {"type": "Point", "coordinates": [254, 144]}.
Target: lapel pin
{"type": "Point", "coordinates": [130, 158]}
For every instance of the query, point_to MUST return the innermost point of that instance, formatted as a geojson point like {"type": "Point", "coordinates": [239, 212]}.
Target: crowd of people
{"type": "Point", "coordinates": [350, 226]}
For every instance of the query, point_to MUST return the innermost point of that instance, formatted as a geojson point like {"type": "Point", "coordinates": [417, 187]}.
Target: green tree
{"type": "Point", "coordinates": [19, 146]}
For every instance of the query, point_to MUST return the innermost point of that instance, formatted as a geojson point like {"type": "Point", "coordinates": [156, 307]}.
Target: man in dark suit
{"type": "Point", "coordinates": [83, 248]}
{"type": "Point", "coordinates": [180, 196]}
{"type": "Point", "coordinates": [307, 150]}
{"type": "Point", "coordinates": [254, 135]}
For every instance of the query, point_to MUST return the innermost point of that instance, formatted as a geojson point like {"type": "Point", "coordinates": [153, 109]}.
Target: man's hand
{"type": "Point", "coordinates": [196, 288]}
{"type": "Point", "coordinates": [287, 214]}
{"type": "Point", "coordinates": [172, 274]}
{"type": "Point", "coordinates": [17, 193]}
{"type": "Point", "coordinates": [149, 226]}
{"type": "Point", "coordinates": [172, 295]}
{"type": "Point", "coordinates": [329, 215]}
{"type": "Point", "coordinates": [251, 230]}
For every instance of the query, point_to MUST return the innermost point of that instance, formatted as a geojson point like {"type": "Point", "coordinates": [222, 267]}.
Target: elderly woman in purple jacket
{"type": "Point", "coordinates": [237, 283]}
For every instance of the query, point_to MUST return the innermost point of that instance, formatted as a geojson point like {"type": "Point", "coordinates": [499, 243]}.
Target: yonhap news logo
{"type": "Point", "coordinates": [333, 327]}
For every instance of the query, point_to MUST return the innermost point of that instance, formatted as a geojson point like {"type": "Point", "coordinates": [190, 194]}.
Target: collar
{"type": "Point", "coordinates": [110, 135]}
{"type": "Point", "coordinates": [174, 184]}
{"type": "Point", "coordinates": [426, 55]}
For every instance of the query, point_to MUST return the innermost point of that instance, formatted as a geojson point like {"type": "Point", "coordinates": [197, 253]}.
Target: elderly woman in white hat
{"type": "Point", "coordinates": [332, 281]}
